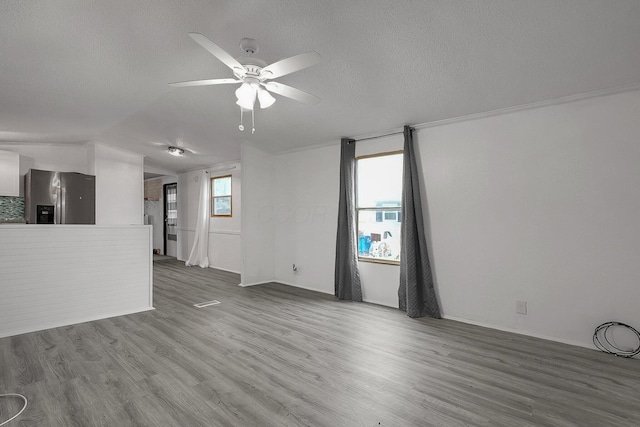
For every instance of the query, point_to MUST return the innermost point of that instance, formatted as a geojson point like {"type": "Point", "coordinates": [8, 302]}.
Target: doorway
{"type": "Point", "coordinates": [171, 219]}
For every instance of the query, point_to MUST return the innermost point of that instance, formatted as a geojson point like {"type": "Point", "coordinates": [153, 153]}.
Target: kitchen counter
{"type": "Point", "coordinates": [57, 275]}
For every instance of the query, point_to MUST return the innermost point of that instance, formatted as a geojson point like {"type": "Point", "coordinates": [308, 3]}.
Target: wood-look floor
{"type": "Point", "coordinates": [273, 355]}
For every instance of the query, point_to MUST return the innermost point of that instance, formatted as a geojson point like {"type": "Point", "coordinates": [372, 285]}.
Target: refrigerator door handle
{"type": "Point", "coordinates": [57, 214]}
{"type": "Point", "coordinates": [63, 206]}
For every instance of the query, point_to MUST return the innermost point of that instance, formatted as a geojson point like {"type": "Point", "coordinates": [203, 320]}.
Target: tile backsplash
{"type": "Point", "coordinates": [11, 209]}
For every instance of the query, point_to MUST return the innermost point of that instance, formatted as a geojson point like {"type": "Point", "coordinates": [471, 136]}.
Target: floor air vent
{"type": "Point", "coordinates": [206, 304]}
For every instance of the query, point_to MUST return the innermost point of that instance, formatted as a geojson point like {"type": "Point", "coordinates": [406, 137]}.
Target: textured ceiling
{"type": "Point", "coordinates": [75, 71]}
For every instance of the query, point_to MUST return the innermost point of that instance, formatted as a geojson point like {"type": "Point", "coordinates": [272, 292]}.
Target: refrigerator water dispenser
{"type": "Point", "coordinates": [45, 214]}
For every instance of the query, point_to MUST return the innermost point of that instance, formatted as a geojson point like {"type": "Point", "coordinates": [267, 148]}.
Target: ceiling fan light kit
{"type": "Point", "coordinates": [265, 98]}
{"type": "Point", "coordinates": [176, 151]}
{"type": "Point", "coordinates": [246, 95]}
{"type": "Point", "coordinates": [253, 74]}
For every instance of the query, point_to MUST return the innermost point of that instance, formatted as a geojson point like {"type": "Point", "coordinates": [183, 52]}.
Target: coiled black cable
{"type": "Point", "coordinates": [601, 340]}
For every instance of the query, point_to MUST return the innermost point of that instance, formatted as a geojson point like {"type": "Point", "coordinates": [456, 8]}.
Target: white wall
{"type": "Point", "coordinates": [539, 205]}
{"type": "Point", "coordinates": [62, 158]}
{"type": "Point", "coordinates": [9, 173]}
{"type": "Point", "coordinates": [224, 232]}
{"type": "Point", "coordinates": [258, 232]}
{"type": "Point", "coordinates": [119, 185]}
{"type": "Point", "coordinates": [306, 185]}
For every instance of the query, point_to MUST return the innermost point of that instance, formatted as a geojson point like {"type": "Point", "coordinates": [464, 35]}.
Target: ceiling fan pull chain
{"type": "Point", "coordinates": [241, 127]}
{"type": "Point", "coordinates": [253, 122]}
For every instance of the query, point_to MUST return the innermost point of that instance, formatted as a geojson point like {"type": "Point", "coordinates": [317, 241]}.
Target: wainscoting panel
{"type": "Point", "coordinates": [56, 275]}
{"type": "Point", "coordinates": [224, 248]}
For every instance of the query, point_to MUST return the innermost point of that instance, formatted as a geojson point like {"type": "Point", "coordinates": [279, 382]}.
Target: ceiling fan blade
{"type": "Point", "coordinates": [219, 53]}
{"type": "Point", "coordinates": [205, 82]}
{"type": "Point", "coordinates": [189, 150]}
{"type": "Point", "coordinates": [290, 65]}
{"type": "Point", "coordinates": [291, 92]}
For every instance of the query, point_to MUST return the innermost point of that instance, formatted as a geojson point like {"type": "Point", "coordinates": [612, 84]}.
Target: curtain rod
{"type": "Point", "coordinates": [388, 133]}
{"type": "Point", "coordinates": [378, 136]}
{"type": "Point", "coordinates": [227, 168]}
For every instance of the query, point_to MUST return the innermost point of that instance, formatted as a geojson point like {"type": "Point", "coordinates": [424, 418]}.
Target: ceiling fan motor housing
{"type": "Point", "coordinates": [252, 69]}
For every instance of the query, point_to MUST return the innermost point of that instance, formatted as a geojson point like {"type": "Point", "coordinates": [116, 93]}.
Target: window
{"type": "Point", "coordinates": [378, 197]}
{"type": "Point", "coordinates": [221, 196]}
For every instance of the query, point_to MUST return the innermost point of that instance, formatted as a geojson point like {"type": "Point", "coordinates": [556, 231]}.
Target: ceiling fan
{"type": "Point", "coordinates": [254, 75]}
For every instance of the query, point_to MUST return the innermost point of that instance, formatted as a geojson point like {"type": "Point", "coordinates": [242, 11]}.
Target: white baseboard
{"type": "Point", "coordinates": [308, 288]}
{"type": "Point", "coordinates": [19, 331]}
{"type": "Point", "coordinates": [516, 331]}
{"type": "Point", "coordinates": [246, 285]}
{"type": "Point", "coordinates": [380, 303]}
{"type": "Point", "coordinates": [213, 266]}
{"type": "Point", "coordinates": [224, 269]}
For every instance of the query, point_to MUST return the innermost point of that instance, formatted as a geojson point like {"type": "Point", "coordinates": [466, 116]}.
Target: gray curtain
{"type": "Point", "coordinates": [416, 293]}
{"type": "Point", "coordinates": [347, 275]}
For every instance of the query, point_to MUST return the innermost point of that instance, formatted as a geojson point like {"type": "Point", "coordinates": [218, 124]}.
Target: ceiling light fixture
{"type": "Point", "coordinates": [176, 151]}
{"type": "Point", "coordinates": [265, 98]}
{"type": "Point", "coordinates": [246, 95]}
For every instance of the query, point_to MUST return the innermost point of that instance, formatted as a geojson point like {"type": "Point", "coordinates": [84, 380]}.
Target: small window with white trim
{"type": "Point", "coordinates": [221, 196]}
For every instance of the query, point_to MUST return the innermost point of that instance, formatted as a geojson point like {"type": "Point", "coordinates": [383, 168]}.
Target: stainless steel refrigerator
{"type": "Point", "coordinates": [59, 197]}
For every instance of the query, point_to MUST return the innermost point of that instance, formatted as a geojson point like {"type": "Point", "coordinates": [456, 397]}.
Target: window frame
{"type": "Point", "coordinates": [214, 197]}
{"type": "Point", "coordinates": [376, 208]}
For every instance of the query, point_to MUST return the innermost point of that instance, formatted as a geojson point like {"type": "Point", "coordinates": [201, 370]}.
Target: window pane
{"type": "Point", "coordinates": [390, 216]}
{"type": "Point", "coordinates": [171, 204]}
{"type": "Point", "coordinates": [222, 206]}
{"type": "Point", "coordinates": [222, 186]}
{"type": "Point", "coordinates": [379, 181]}
{"type": "Point", "coordinates": [379, 239]}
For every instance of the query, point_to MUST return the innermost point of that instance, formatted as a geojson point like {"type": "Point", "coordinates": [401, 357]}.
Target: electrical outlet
{"type": "Point", "coordinates": [521, 307]}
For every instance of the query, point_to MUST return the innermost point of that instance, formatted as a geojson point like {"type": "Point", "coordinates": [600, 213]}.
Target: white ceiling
{"type": "Point", "coordinates": [75, 71]}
